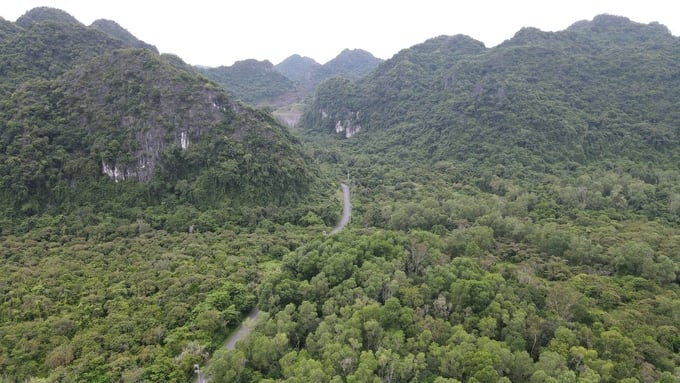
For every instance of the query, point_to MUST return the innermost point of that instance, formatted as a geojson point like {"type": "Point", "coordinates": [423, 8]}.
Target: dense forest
{"type": "Point", "coordinates": [515, 212]}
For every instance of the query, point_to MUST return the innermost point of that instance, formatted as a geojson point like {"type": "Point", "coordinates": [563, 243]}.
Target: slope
{"type": "Point", "coordinates": [132, 117]}
{"type": "Point", "coordinates": [44, 43]}
{"type": "Point", "coordinates": [601, 89]}
{"type": "Point", "coordinates": [297, 68]}
{"type": "Point", "coordinates": [254, 82]}
{"type": "Point", "coordinates": [156, 131]}
{"type": "Point", "coordinates": [516, 219]}
{"type": "Point", "coordinates": [114, 30]}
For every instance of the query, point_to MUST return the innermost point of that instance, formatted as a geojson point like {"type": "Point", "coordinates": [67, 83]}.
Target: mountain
{"type": "Point", "coordinates": [261, 83]}
{"type": "Point", "coordinates": [116, 31]}
{"type": "Point", "coordinates": [7, 29]}
{"type": "Point", "coordinates": [286, 85]}
{"type": "Point", "coordinates": [600, 89]}
{"type": "Point", "coordinates": [103, 142]}
{"type": "Point", "coordinates": [354, 63]}
{"type": "Point", "coordinates": [297, 68]}
{"type": "Point", "coordinates": [254, 82]}
{"type": "Point", "coordinates": [515, 201]}
{"type": "Point", "coordinates": [87, 118]}
{"type": "Point", "coordinates": [45, 42]}
{"type": "Point", "coordinates": [308, 74]}
{"type": "Point", "coordinates": [45, 14]}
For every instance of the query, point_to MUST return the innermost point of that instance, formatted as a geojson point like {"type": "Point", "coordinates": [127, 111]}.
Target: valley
{"type": "Point", "coordinates": [515, 210]}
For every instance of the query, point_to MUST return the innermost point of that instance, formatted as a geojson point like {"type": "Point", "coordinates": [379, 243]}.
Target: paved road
{"type": "Point", "coordinates": [249, 323]}
{"type": "Point", "coordinates": [346, 210]}
{"type": "Point", "coordinates": [246, 327]}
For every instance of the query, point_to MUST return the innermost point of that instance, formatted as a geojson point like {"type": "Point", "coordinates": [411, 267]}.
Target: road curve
{"type": "Point", "coordinates": [346, 210]}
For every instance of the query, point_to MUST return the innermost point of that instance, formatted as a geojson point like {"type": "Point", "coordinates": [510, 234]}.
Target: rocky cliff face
{"type": "Point", "coordinates": [148, 106]}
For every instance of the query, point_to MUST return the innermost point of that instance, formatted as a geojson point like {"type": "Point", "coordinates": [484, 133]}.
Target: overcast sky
{"type": "Point", "coordinates": [217, 33]}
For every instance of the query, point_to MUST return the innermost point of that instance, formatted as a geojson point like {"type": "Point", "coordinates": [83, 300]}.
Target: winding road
{"type": "Point", "coordinates": [249, 323]}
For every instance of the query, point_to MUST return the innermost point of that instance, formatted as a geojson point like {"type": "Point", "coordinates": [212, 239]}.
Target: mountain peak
{"type": "Point", "coordinates": [606, 23]}
{"type": "Point", "coordinates": [529, 35]}
{"type": "Point", "coordinates": [253, 64]}
{"type": "Point", "coordinates": [354, 54]}
{"type": "Point", "coordinates": [296, 58]}
{"type": "Point", "coordinates": [114, 30]}
{"type": "Point", "coordinates": [297, 67]}
{"type": "Point", "coordinates": [352, 63]}
{"type": "Point", "coordinates": [41, 14]}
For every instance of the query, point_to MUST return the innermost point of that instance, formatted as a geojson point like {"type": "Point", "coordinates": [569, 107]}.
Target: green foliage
{"type": "Point", "coordinates": [114, 30]}
{"type": "Point", "coordinates": [509, 223]}
{"type": "Point", "coordinates": [539, 101]}
{"type": "Point", "coordinates": [455, 321]}
{"type": "Point", "coordinates": [254, 82]}
{"type": "Point", "coordinates": [166, 136]}
{"type": "Point", "coordinates": [149, 306]}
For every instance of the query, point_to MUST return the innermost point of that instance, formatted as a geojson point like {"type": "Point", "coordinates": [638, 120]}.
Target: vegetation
{"type": "Point", "coordinates": [112, 28]}
{"type": "Point", "coordinates": [293, 80]}
{"type": "Point", "coordinates": [511, 221]}
{"type": "Point", "coordinates": [126, 302]}
{"type": "Point", "coordinates": [297, 68]}
{"type": "Point", "coordinates": [515, 216]}
{"type": "Point", "coordinates": [466, 305]}
{"type": "Point", "coordinates": [254, 82]}
{"type": "Point", "coordinates": [353, 63]}
{"type": "Point", "coordinates": [166, 136]}
{"type": "Point", "coordinates": [553, 99]}
{"type": "Point", "coordinates": [119, 169]}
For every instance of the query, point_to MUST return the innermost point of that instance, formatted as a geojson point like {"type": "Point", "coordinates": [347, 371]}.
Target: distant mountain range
{"type": "Point", "coordinates": [293, 80]}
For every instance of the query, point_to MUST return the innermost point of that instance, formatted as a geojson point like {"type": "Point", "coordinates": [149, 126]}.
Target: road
{"type": "Point", "coordinates": [346, 210]}
{"type": "Point", "coordinates": [249, 323]}
{"type": "Point", "coordinates": [246, 327]}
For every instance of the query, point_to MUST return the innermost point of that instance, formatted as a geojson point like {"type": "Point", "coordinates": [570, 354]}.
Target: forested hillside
{"type": "Point", "coordinates": [291, 81]}
{"type": "Point", "coordinates": [297, 68]}
{"type": "Point", "coordinates": [128, 129]}
{"type": "Point", "coordinates": [254, 82]}
{"type": "Point", "coordinates": [600, 89]}
{"type": "Point", "coordinates": [112, 28]}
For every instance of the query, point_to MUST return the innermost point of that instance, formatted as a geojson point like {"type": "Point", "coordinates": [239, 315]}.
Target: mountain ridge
{"type": "Point", "coordinates": [258, 83]}
{"type": "Point", "coordinates": [460, 94]}
{"type": "Point", "coordinates": [45, 14]}
{"type": "Point", "coordinates": [114, 29]}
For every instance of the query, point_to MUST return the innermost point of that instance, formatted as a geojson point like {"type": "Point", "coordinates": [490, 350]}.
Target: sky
{"type": "Point", "coordinates": [214, 33]}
